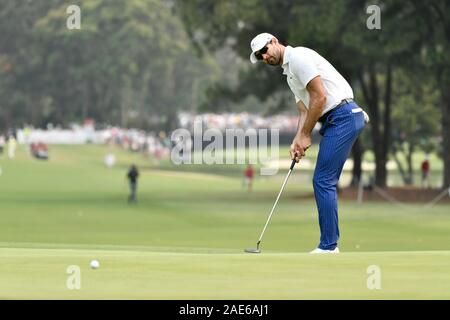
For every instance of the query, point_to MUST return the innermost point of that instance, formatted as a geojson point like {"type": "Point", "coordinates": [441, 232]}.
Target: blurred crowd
{"type": "Point", "coordinates": [244, 120]}
{"type": "Point", "coordinates": [155, 144]}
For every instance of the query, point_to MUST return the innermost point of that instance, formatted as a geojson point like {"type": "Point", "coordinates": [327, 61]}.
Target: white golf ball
{"type": "Point", "coordinates": [95, 264]}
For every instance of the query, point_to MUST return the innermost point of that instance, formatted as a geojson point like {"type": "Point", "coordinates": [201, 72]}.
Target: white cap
{"type": "Point", "coordinates": [258, 43]}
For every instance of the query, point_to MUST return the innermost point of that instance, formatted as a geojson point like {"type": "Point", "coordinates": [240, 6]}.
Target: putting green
{"type": "Point", "coordinates": [130, 274]}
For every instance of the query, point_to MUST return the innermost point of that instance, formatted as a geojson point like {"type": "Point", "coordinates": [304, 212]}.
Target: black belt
{"type": "Point", "coordinates": [343, 102]}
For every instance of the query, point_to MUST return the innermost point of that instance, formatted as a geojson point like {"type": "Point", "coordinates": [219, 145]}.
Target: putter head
{"type": "Point", "coordinates": [253, 250]}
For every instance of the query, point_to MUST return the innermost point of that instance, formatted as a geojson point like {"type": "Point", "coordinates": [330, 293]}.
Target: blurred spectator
{"type": "Point", "coordinates": [110, 160]}
{"type": "Point", "coordinates": [12, 144]}
{"type": "Point", "coordinates": [249, 174]}
{"type": "Point", "coordinates": [2, 144]}
{"type": "Point", "coordinates": [26, 134]}
{"type": "Point", "coordinates": [39, 150]}
{"type": "Point", "coordinates": [425, 167]}
{"type": "Point", "coordinates": [132, 175]}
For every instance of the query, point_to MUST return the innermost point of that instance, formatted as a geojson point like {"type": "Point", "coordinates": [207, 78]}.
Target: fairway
{"type": "Point", "coordinates": [184, 239]}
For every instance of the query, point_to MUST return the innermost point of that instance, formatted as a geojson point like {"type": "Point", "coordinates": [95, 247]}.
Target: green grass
{"type": "Point", "coordinates": [132, 274]}
{"type": "Point", "coordinates": [185, 237]}
{"type": "Point", "coordinates": [394, 178]}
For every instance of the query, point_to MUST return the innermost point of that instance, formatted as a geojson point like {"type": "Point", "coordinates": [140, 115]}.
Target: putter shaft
{"type": "Point", "coordinates": [276, 202]}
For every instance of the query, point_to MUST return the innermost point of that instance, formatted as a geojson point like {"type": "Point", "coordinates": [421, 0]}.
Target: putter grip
{"type": "Point", "coordinates": [292, 164]}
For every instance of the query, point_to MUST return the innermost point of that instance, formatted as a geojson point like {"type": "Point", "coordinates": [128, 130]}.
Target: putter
{"type": "Point", "coordinates": [257, 249]}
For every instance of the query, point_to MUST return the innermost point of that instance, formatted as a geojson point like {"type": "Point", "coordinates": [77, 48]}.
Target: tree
{"type": "Point", "coordinates": [20, 56]}
{"type": "Point", "coordinates": [415, 116]}
{"type": "Point", "coordinates": [434, 55]}
{"type": "Point", "coordinates": [129, 64]}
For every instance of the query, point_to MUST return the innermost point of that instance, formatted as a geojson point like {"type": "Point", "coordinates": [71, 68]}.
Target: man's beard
{"type": "Point", "coordinates": [273, 61]}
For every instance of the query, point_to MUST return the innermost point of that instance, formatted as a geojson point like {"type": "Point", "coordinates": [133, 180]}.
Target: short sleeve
{"type": "Point", "coordinates": [303, 67]}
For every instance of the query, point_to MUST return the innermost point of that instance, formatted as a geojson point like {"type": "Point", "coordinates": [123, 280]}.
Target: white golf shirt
{"type": "Point", "coordinates": [301, 65]}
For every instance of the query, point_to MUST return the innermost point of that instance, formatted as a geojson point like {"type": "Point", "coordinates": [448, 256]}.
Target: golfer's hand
{"type": "Point", "coordinates": [299, 146]}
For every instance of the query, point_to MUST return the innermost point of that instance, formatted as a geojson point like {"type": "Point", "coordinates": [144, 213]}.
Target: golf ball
{"type": "Point", "coordinates": [95, 264]}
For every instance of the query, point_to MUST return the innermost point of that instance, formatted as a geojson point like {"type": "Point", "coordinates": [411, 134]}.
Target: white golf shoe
{"type": "Point", "coordinates": [321, 251]}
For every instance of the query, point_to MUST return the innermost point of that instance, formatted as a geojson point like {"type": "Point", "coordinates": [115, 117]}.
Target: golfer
{"type": "Point", "coordinates": [322, 95]}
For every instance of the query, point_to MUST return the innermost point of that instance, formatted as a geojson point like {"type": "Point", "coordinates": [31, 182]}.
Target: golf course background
{"type": "Point", "coordinates": [184, 239]}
